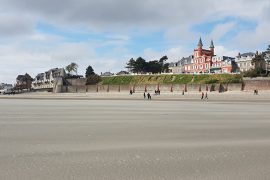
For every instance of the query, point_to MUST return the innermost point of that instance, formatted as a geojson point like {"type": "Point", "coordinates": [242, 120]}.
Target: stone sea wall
{"type": "Point", "coordinates": [78, 86]}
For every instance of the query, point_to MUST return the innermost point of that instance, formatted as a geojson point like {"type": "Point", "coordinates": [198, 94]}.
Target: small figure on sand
{"type": "Point", "coordinates": [183, 92]}
{"type": "Point", "coordinates": [206, 96]}
{"type": "Point", "coordinates": [148, 96]}
{"type": "Point", "coordinates": [256, 92]}
{"type": "Point", "coordinates": [157, 92]}
{"type": "Point", "coordinates": [144, 96]}
{"type": "Point", "coordinates": [130, 92]}
{"type": "Point", "coordinates": [202, 95]}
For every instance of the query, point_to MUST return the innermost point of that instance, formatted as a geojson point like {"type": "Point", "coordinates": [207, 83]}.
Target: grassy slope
{"type": "Point", "coordinates": [172, 79]}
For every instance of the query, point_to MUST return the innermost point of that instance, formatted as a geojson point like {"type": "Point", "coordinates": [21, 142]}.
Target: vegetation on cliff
{"type": "Point", "coordinates": [172, 79]}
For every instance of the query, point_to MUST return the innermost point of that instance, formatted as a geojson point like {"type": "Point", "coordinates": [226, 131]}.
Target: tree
{"type": "Point", "coordinates": [89, 71]}
{"type": "Point", "coordinates": [154, 67]}
{"type": "Point", "coordinates": [259, 63]}
{"type": "Point", "coordinates": [131, 65]}
{"type": "Point", "coordinates": [24, 81]}
{"type": "Point", "coordinates": [72, 67]}
{"type": "Point", "coordinates": [166, 67]}
{"type": "Point", "coordinates": [140, 65]}
{"type": "Point", "coordinates": [268, 50]}
{"type": "Point", "coordinates": [93, 79]}
{"type": "Point", "coordinates": [137, 66]}
{"type": "Point", "coordinates": [163, 59]}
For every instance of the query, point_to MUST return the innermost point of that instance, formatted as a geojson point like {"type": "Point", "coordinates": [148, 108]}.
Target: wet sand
{"type": "Point", "coordinates": [170, 138]}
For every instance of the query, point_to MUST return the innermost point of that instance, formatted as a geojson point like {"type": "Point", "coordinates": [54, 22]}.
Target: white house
{"type": "Point", "coordinates": [244, 61]}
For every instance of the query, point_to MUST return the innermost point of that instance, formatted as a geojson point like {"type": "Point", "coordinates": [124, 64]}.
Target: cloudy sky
{"type": "Point", "coordinates": [36, 35]}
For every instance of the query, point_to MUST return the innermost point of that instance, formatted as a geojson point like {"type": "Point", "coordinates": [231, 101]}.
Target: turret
{"type": "Point", "coordinates": [212, 48]}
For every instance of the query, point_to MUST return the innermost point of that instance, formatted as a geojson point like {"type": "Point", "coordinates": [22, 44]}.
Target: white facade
{"type": "Point", "coordinates": [47, 79]}
{"type": "Point", "coordinates": [244, 61]}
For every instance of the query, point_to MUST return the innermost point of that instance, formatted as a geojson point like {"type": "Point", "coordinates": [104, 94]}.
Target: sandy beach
{"type": "Point", "coordinates": [230, 96]}
{"type": "Point", "coordinates": [116, 136]}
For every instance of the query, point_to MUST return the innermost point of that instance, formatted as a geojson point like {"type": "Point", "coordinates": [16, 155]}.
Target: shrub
{"type": "Point", "coordinates": [93, 79]}
{"type": "Point", "coordinates": [172, 79]}
{"type": "Point", "coordinates": [250, 73]}
{"type": "Point", "coordinates": [211, 81]}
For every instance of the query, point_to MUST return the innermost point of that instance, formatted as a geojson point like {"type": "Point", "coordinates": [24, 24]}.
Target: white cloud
{"type": "Point", "coordinates": [174, 54]}
{"type": "Point", "coordinates": [221, 29]}
{"type": "Point", "coordinates": [16, 25]}
{"type": "Point", "coordinates": [23, 49]}
{"type": "Point", "coordinates": [222, 51]}
{"type": "Point", "coordinates": [17, 59]}
{"type": "Point", "coordinates": [252, 39]}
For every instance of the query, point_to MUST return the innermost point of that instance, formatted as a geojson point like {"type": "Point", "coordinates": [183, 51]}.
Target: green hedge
{"type": "Point", "coordinates": [172, 79]}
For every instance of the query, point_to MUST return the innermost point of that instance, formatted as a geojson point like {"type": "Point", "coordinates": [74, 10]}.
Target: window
{"type": "Point", "coordinates": [201, 66]}
{"type": "Point", "coordinates": [206, 66]}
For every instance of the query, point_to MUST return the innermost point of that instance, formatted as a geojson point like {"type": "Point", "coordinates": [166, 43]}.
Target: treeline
{"type": "Point", "coordinates": [141, 66]}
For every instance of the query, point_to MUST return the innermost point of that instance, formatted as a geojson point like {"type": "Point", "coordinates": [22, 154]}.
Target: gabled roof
{"type": "Point", "coordinates": [247, 54]}
{"type": "Point", "coordinates": [185, 60]}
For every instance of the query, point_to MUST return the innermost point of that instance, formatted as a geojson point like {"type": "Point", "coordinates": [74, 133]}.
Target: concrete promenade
{"type": "Point", "coordinates": [122, 137]}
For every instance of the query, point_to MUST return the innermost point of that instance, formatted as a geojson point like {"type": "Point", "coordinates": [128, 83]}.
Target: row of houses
{"type": "Point", "coordinates": [5, 86]}
{"type": "Point", "coordinates": [205, 61]}
{"type": "Point", "coordinates": [47, 79]}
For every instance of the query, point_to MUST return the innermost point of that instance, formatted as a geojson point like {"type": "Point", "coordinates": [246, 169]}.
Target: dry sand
{"type": "Point", "coordinates": [63, 136]}
{"type": "Point", "coordinates": [230, 96]}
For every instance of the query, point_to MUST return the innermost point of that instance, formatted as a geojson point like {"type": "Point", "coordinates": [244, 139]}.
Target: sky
{"type": "Point", "coordinates": [37, 35]}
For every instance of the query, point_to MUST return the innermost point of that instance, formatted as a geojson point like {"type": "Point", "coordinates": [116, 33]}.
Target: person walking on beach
{"type": "Point", "coordinates": [202, 95]}
{"type": "Point", "coordinates": [206, 96]}
{"type": "Point", "coordinates": [148, 96]}
{"type": "Point", "coordinates": [144, 96]}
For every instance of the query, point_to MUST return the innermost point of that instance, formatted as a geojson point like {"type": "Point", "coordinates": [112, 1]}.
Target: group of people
{"type": "Point", "coordinates": [204, 96]}
{"type": "Point", "coordinates": [157, 92]}
{"type": "Point", "coordinates": [148, 95]}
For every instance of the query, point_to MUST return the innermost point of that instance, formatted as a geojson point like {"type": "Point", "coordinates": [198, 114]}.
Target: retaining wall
{"type": "Point", "coordinates": [251, 84]}
{"type": "Point", "coordinates": [78, 86]}
{"type": "Point", "coordinates": [178, 88]}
